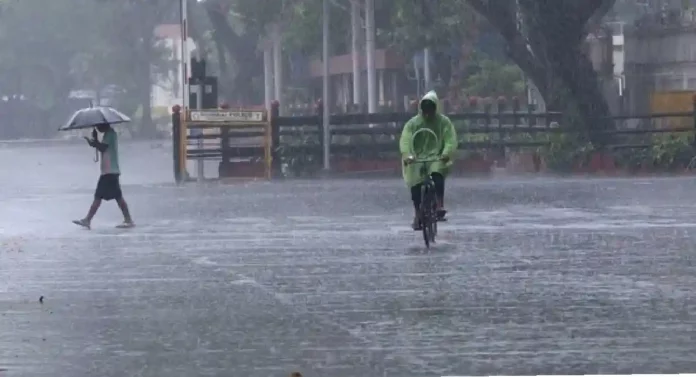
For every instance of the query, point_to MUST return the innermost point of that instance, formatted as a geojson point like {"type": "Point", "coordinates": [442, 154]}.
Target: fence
{"type": "Point", "coordinates": [490, 129]}
{"type": "Point", "coordinates": [497, 127]}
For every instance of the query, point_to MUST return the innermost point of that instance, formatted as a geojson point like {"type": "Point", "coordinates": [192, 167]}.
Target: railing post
{"type": "Point", "coordinates": [487, 105]}
{"type": "Point", "coordinates": [472, 121]}
{"type": "Point", "coordinates": [200, 161]}
{"type": "Point", "coordinates": [276, 163]}
{"type": "Point", "coordinates": [176, 143]}
{"type": "Point", "coordinates": [500, 107]}
{"type": "Point", "coordinates": [515, 112]}
{"type": "Point", "coordinates": [531, 119]}
{"type": "Point", "coordinates": [693, 115]}
{"type": "Point", "coordinates": [224, 143]}
{"type": "Point", "coordinates": [319, 110]}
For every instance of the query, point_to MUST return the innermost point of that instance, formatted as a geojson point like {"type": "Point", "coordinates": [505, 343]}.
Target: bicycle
{"type": "Point", "coordinates": [427, 213]}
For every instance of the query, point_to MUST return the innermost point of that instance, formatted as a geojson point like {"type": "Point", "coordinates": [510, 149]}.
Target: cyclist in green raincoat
{"type": "Point", "coordinates": [424, 145]}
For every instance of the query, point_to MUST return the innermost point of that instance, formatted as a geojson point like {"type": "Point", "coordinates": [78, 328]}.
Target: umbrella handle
{"type": "Point", "coordinates": [94, 137]}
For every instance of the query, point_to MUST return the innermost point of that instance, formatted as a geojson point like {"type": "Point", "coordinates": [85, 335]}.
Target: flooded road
{"type": "Point", "coordinates": [530, 276]}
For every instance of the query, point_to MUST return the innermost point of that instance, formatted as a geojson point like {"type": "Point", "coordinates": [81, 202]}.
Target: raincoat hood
{"type": "Point", "coordinates": [430, 96]}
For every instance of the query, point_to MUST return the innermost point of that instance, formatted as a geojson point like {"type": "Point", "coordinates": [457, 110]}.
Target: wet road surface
{"type": "Point", "coordinates": [530, 276]}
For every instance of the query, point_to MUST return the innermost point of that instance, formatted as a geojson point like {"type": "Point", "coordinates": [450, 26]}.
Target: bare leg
{"type": "Point", "coordinates": [124, 209]}
{"type": "Point", "coordinates": [87, 221]}
{"type": "Point", "coordinates": [93, 210]}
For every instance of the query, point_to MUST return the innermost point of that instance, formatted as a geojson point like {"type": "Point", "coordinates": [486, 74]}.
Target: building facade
{"type": "Point", "coordinates": [660, 56]}
{"type": "Point", "coordinates": [167, 91]}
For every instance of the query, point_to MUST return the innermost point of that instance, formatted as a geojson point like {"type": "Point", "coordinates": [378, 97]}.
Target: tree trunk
{"type": "Point", "coordinates": [243, 50]}
{"type": "Point", "coordinates": [222, 65]}
{"type": "Point", "coordinates": [547, 47]}
{"type": "Point", "coordinates": [581, 80]}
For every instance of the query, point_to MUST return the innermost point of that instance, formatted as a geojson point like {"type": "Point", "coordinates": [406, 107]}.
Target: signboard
{"type": "Point", "coordinates": [224, 116]}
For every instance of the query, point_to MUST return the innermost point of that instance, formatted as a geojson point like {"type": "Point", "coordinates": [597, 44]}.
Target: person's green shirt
{"type": "Point", "coordinates": [109, 158]}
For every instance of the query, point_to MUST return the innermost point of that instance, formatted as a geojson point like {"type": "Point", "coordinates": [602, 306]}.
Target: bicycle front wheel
{"type": "Point", "coordinates": [432, 209]}
{"type": "Point", "coordinates": [427, 216]}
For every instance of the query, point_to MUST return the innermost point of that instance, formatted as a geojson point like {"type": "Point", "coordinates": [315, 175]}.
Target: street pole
{"type": "Point", "coordinates": [325, 100]}
{"type": "Point", "coordinates": [184, 55]}
{"type": "Point", "coordinates": [355, 48]}
{"type": "Point", "coordinates": [276, 39]}
{"type": "Point", "coordinates": [370, 56]}
{"type": "Point", "coordinates": [200, 169]}
{"type": "Point", "coordinates": [187, 85]}
{"type": "Point", "coordinates": [267, 75]}
{"type": "Point", "coordinates": [426, 70]}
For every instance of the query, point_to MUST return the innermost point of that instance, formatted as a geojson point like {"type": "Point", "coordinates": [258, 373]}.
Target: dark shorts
{"type": "Point", "coordinates": [108, 187]}
{"type": "Point", "coordinates": [439, 180]}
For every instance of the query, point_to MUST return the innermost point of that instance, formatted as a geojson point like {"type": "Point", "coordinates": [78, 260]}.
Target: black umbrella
{"type": "Point", "coordinates": [94, 116]}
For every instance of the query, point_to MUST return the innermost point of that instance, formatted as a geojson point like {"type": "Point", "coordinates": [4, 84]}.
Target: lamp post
{"type": "Point", "coordinates": [325, 87]}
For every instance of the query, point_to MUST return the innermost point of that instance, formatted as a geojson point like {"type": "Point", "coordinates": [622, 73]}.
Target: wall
{"type": "Point", "coordinates": [660, 55]}
{"type": "Point", "coordinates": [671, 102]}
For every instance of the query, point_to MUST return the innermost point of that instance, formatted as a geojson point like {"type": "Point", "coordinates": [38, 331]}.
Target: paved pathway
{"type": "Point", "coordinates": [534, 276]}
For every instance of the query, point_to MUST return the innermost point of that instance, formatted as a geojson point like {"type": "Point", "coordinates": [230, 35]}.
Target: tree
{"type": "Point", "coordinates": [492, 78]}
{"type": "Point", "coordinates": [447, 28]}
{"type": "Point", "coordinates": [238, 28]}
{"type": "Point", "coordinates": [414, 25]}
{"type": "Point", "coordinates": [545, 38]}
{"type": "Point", "coordinates": [132, 55]}
{"type": "Point", "coordinates": [38, 44]}
{"type": "Point", "coordinates": [236, 40]}
{"type": "Point", "coordinates": [48, 49]}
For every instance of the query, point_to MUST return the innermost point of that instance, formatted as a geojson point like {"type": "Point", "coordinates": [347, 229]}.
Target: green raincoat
{"type": "Point", "coordinates": [424, 145]}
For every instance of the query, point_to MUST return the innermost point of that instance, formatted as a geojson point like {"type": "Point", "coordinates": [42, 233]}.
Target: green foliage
{"type": "Point", "coordinates": [490, 78]}
{"type": "Point", "coordinates": [544, 39]}
{"type": "Point", "coordinates": [304, 24]}
{"type": "Point", "coordinates": [294, 162]}
{"type": "Point", "coordinates": [566, 152]}
{"type": "Point", "coordinates": [665, 152]}
{"type": "Point", "coordinates": [633, 159]}
{"type": "Point", "coordinates": [671, 151]}
{"type": "Point", "coordinates": [468, 137]}
{"type": "Point", "coordinates": [50, 48]}
{"type": "Point", "coordinates": [412, 25]}
{"type": "Point", "coordinates": [38, 41]}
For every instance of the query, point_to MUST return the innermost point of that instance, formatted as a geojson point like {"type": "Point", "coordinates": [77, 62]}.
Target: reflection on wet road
{"type": "Point", "coordinates": [536, 276]}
